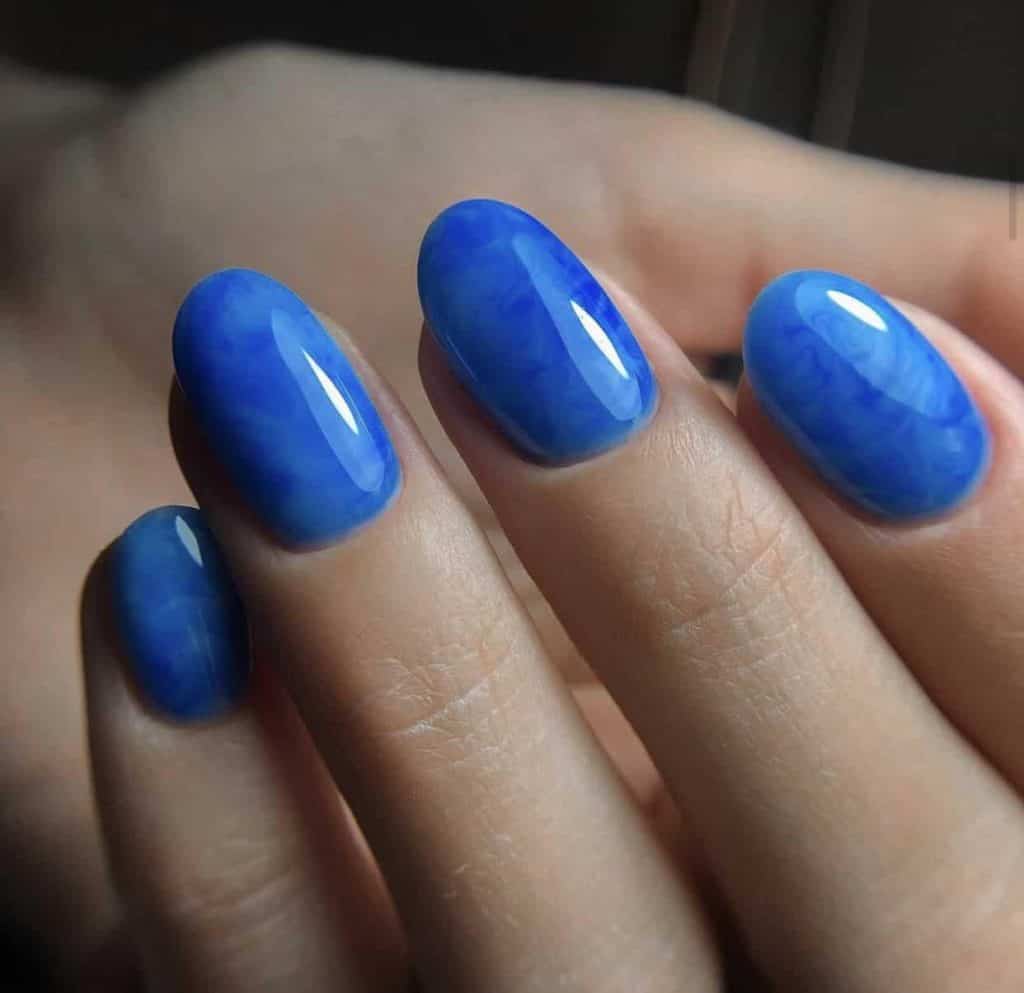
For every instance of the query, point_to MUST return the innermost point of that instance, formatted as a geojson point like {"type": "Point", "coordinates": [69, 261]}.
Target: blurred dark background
{"type": "Point", "coordinates": [933, 83]}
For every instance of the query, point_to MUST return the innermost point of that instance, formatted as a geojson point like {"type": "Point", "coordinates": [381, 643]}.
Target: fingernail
{"type": "Point", "coordinates": [181, 621]}
{"type": "Point", "coordinates": [864, 395]}
{"type": "Point", "coordinates": [282, 408]}
{"type": "Point", "coordinates": [531, 334]}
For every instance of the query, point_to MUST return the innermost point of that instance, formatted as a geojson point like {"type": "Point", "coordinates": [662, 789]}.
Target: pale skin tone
{"type": "Point", "coordinates": [832, 705]}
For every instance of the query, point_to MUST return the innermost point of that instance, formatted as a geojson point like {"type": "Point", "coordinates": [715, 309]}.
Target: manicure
{"type": "Point", "coordinates": [282, 408]}
{"type": "Point", "coordinates": [531, 333]}
{"type": "Point", "coordinates": [864, 395]}
{"type": "Point", "coordinates": [181, 622]}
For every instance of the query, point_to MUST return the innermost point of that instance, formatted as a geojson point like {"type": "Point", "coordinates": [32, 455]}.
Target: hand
{"type": "Point", "coordinates": [324, 170]}
{"type": "Point", "coordinates": [831, 705]}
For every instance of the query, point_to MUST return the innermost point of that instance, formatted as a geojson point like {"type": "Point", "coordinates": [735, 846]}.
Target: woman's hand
{"type": "Point", "coordinates": [325, 170]}
{"type": "Point", "coordinates": [809, 615]}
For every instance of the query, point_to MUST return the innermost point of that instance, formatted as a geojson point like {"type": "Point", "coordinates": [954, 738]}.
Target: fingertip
{"type": "Point", "coordinates": [864, 396]}
{"type": "Point", "coordinates": [182, 625]}
{"type": "Point", "coordinates": [283, 408]}
{"type": "Point", "coordinates": [159, 617]}
{"type": "Point", "coordinates": [532, 334]}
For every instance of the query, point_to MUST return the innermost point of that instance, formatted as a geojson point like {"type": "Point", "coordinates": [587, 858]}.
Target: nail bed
{"type": "Point", "coordinates": [282, 408]}
{"type": "Point", "coordinates": [180, 619]}
{"type": "Point", "coordinates": [531, 333]}
{"type": "Point", "coordinates": [866, 398]}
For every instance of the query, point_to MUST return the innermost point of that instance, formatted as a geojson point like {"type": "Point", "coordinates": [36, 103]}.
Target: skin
{"type": "Point", "coordinates": [116, 203]}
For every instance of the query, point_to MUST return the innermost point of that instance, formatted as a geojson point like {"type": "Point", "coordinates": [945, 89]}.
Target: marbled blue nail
{"type": "Point", "coordinates": [282, 408]}
{"type": "Point", "coordinates": [181, 622]}
{"type": "Point", "coordinates": [864, 395]}
{"type": "Point", "coordinates": [531, 334]}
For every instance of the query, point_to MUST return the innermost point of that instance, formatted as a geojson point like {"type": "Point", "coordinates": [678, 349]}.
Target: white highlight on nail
{"type": "Point", "coordinates": [858, 308]}
{"type": "Point", "coordinates": [333, 394]}
{"type": "Point", "coordinates": [599, 337]}
{"type": "Point", "coordinates": [188, 538]}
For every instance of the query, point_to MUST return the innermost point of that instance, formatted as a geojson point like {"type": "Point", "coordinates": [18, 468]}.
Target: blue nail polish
{"type": "Point", "coordinates": [282, 408]}
{"type": "Point", "coordinates": [864, 395]}
{"type": "Point", "coordinates": [180, 619]}
{"type": "Point", "coordinates": [531, 334]}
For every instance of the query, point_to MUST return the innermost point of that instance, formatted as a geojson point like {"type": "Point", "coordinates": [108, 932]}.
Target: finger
{"type": "Point", "coordinates": [516, 858]}
{"type": "Point", "coordinates": [944, 589]}
{"type": "Point", "coordinates": [692, 208]}
{"type": "Point", "coordinates": [235, 860]}
{"type": "Point", "coordinates": [634, 765]}
{"type": "Point", "coordinates": [827, 791]}
{"type": "Point", "coordinates": [774, 204]}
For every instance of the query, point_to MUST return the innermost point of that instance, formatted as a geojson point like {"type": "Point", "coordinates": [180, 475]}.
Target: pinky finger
{"type": "Point", "coordinates": [236, 861]}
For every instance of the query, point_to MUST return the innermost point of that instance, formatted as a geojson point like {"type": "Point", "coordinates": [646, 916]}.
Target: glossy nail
{"type": "Point", "coordinates": [180, 619]}
{"type": "Point", "coordinates": [864, 395]}
{"type": "Point", "coordinates": [282, 408]}
{"type": "Point", "coordinates": [531, 333]}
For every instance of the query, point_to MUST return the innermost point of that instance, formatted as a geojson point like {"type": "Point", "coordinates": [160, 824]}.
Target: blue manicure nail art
{"type": "Point", "coordinates": [864, 395]}
{"type": "Point", "coordinates": [181, 621]}
{"type": "Point", "coordinates": [531, 334]}
{"type": "Point", "coordinates": [282, 408]}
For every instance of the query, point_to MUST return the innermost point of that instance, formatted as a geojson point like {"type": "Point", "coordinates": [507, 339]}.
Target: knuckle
{"type": "Point", "coordinates": [460, 676]}
{"type": "Point", "coordinates": [459, 688]}
{"type": "Point", "coordinates": [236, 898]}
{"type": "Point", "coordinates": [749, 563]}
{"type": "Point", "coordinates": [142, 153]}
{"type": "Point", "coordinates": [255, 61]}
{"type": "Point", "coordinates": [729, 574]}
